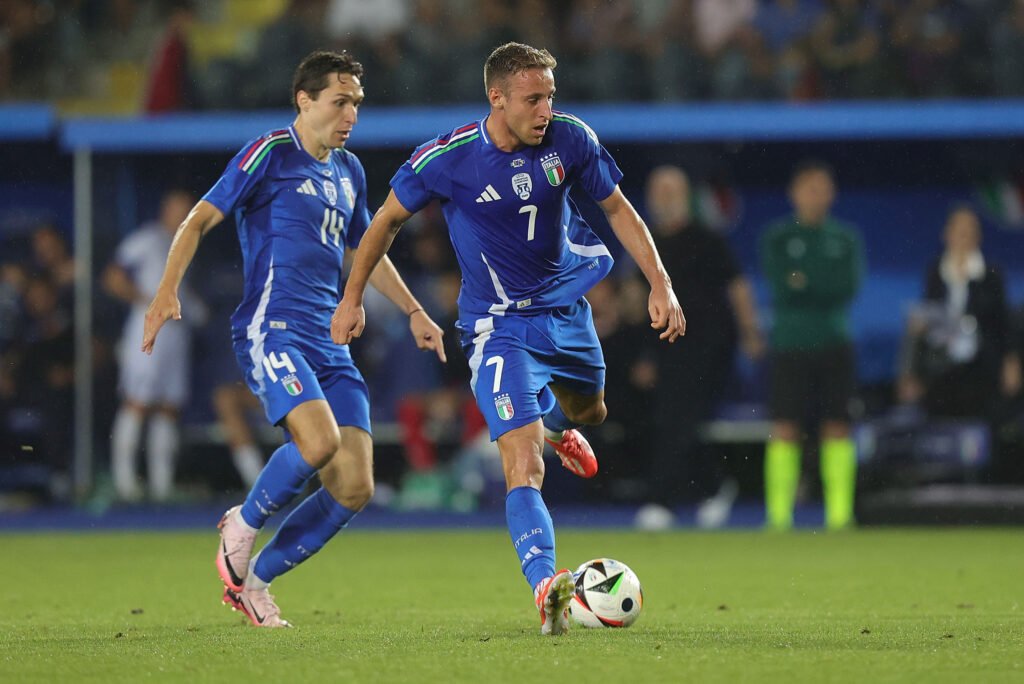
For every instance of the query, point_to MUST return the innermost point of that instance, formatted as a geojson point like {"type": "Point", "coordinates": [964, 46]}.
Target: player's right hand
{"type": "Point", "coordinates": [348, 322]}
{"type": "Point", "coordinates": [165, 305]}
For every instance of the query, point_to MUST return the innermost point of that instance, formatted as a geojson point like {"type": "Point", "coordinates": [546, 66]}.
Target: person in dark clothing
{"type": "Point", "coordinates": [813, 264]}
{"type": "Point", "coordinates": [691, 375]}
{"type": "Point", "coordinates": [962, 359]}
{"type": "Point", "coordinates": [45, 372]}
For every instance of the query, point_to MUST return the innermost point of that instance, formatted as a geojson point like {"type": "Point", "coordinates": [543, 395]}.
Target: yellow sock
{"type": "Point", "coordinates": [839, 481]}
{"type": "Point", "coordinates": [781, 476]}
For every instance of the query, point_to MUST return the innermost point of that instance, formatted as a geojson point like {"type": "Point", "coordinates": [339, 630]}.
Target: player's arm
{"type": "Point", "coordinates": [165, 305]}
{"type": "Point", "coordinates": [741, 297]}
{"type": "Point", "coordinates": [634, 236]}
{"type": "Point", "coordinates": [349, 318]}
{"type": "Point", "coordinates": [386, 280]}
{"type": "Point", "coordinates": [118, 284]}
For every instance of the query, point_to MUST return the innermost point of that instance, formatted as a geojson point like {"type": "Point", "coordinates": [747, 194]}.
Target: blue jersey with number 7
{"type": "Point", "coordinates": [520, 241]}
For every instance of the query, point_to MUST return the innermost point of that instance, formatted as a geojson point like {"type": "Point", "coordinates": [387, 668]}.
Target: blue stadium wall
{"type": "Point", "coordinates": [899, 167]}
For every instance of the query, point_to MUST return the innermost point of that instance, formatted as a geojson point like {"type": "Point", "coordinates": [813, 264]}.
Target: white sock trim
{"type": "Point", "coordinates": [553, 435]}
{"type": "Point", "coordinates": [241, 521]}
{"type": "Point", "coordinates": [253, 581]}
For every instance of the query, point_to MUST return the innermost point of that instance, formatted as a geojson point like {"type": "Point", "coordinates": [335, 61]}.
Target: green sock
{"type": "Point", "coordinates": [781, 476]}
{"type": "Point", "coordinates": [839, 481]}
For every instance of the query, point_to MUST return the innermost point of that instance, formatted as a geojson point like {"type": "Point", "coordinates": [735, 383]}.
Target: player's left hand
{"type": "Point", "coordinates": [666, 313]}
{"type": "Point", "coordinates": [428, 335]}
{"type": "Point", "coordinates": [348, 322]}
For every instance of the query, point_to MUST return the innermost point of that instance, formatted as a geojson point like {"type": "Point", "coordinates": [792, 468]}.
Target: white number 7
{"type": "Point", "coordinates": [500, 363]}
{"type": "Point", "coordinates": [530, 209]}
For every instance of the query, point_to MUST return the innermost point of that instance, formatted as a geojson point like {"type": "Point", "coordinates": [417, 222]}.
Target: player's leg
{"type": "Point", "coordinates": [531, 527]}
{"type": "Point", "coordinates": [577, 367]}
{"type": "Point", "coordinates": [231, 401]}
{"type": "Point", "coordinates": [508, 383]}
{"type": "Point", "coordinates": [782, 458]}
{"type": "Point", "coordinates": [838, 452]}
{"type": "Point", "coordinates": [314, 440]}
{"type": "Point", "coordinates": [166, 384]}
{"type": "Point", "coordinates": [347, 487]}
{"type": "Point", "coordinates": [562, 432]}
{"type": "Point", "coordinates": [293, 396]}
{"type": "Point", "coordinates": [139, 384]}
{"type": "Point", "coordinates": [574, 409]}
{"type": "Point", "coordinates": [124, 446]}
{"type": "Point", "coordinates": [347, 478]}
{"type": "Point", "coordinates": [161, 451]}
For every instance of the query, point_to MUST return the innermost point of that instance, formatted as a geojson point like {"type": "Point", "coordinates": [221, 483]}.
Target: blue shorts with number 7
{"type": "Point", "coordinates": [515, 358]}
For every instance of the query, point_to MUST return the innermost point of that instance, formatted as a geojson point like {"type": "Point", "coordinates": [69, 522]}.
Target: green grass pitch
{"type": "Point", "coordinates": [432, 606]}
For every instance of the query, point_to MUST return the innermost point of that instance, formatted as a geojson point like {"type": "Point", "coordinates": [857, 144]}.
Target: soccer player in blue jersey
{"type": "Point", "coordinates": [299, 201]}
{"type": "Point", "coordinates": [527, 258]}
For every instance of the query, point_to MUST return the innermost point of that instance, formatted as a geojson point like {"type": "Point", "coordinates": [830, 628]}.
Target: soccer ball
{"type": "Point", "coordinates": [608, 594]}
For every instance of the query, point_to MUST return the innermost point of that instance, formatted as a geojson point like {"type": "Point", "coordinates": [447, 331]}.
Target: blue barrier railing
{"type": "Point", "coordinates": [633, 123]}
{"type": "Point", "coordinates": [26, 122]}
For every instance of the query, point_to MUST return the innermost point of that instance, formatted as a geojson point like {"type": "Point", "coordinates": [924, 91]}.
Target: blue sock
{"type": "Point", "coordinates": [556, 421]}
{"type": "Point", "coordinates": [284, 476]}
{"type": "Point", "coordinates": [303, 533]}
{"type": "Point", "coordinates": [533, 533]}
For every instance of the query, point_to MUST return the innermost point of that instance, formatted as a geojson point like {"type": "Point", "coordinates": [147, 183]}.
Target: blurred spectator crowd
{"type": "Point", "coordinates": [161, 55]}
{"type": "Point", "coordinates": [427, 409]}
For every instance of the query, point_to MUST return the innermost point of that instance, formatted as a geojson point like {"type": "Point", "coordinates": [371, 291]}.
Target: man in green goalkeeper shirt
{"type": "Point", "coordinates": [813, 265]}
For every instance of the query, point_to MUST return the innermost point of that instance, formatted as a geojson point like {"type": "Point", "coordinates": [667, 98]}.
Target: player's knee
{"type": "Point", "coordinates": [785, 431]}
{"type": "Point", "coordinates": [592, 414]}
{"type": "Point", "coordinates": [319, 448]}
{"type": "Point", "coordinates": [357, 494]}
{"type": "Point", "coordinates": [834, 429]}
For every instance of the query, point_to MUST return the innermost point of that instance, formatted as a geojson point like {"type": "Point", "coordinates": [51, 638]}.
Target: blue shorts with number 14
{"type": "Point", "coordinates": [286, 368]}
{"type": "Point", "coordinates": [515, 358]}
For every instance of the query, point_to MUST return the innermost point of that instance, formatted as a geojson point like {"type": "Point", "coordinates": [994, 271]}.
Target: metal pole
{"type": "Point", "coordinates": [83, 463]}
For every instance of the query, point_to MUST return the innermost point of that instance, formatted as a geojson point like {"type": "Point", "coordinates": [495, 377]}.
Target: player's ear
{"type": "Point", "coordinates": [303, 100]}
{"type": "Point", "coordinates": [496, 97]}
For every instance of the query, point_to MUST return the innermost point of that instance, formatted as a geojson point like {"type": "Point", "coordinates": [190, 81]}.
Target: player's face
{"type": "Point", "coordinates": [812, 194]}
{"type": "Point", "coordinates": [526, 102]}
{"type": "Point", "coordinates": [668, 199]}
{"type": "Point", "coordinates": [963, 233]}
{"type": "Point", "coordinates": [333, 114]}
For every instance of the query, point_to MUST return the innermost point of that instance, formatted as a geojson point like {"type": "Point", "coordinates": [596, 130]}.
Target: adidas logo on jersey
{"type": "Point", "coordinates": [488, 195]}
{"type": "Point", "coordinates": [307, 188]}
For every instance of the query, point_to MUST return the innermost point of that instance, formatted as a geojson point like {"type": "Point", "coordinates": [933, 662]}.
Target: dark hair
{"type": "Point", "coordinates": [812, 166]}
{"type": "Point", "coordinates": [514, 58]}
{"type": "Point", "coordinates": [311, 74]}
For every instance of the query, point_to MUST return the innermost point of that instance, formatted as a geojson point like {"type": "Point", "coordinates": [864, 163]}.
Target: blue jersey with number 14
{"type": "Point", "coordinates": [520, 241]}
{"type": "Point", "coordinates": [295, 216]}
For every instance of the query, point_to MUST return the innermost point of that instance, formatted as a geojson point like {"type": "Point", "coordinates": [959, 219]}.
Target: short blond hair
{"type": "Point", "coordinates": [514, 58]}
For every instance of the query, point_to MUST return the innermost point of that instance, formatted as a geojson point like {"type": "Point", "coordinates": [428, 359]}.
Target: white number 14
{"type": "Point", "coordinates": [333, 223]}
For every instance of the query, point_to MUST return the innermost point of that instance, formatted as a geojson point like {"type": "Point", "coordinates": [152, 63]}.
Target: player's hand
{"type": "Point", "coordinates": [666, 313]}
{"type": "Point", "coordinates": [165, 305]}
{"type": "Point", "coordinates": [428, 335]}
{"type": "Point", "coordinates": [348, 322]}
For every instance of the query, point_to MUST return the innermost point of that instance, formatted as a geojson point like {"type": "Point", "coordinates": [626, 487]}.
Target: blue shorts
{"type": "Point", "coordinates": [286, 368]}
{"type": "Point", "coordinates": [515, 358]}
